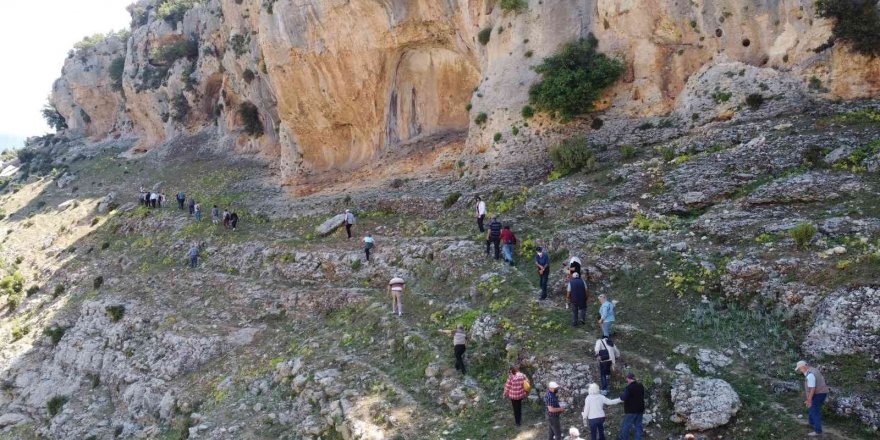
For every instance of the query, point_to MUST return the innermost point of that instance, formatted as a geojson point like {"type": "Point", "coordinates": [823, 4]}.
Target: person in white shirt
{"type": "Point", "coordinates": [481, 213]}
{"type": "Point", "coordinates": [594, 411]}
{"type": "Point", "coordinates": [607, 354]}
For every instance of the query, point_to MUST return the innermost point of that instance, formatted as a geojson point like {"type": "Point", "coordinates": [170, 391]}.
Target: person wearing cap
{"type": "Point", "coordinates": [606, 315]}
{"type": "Point", "coordinates": [349, 221]}
{"type": "Point", "coordinates": [594, 411]}
{"type": "Point", "coordinates": [554, 409]}
{"type": "Point", "coordinates": [459, 339]}
{"type": "Point", "coordinates": [493, 237]}
{"type": "Point", "coordinates": [542, 260]}
{"type": "Point", "coordinates": [515, 390]}
{"type": "Point", "coordinates": [395, 289]}
{"type": "Point", "coordinates": [577, 297]}
{"type": "Point", "coordinates": [481, 213]}
{"type": "Point", "coordinates": [633, 398]}
{"type": "Point", "coordinates": [573, 434]}
{"type": "Point", "coordinates": [816, 392]}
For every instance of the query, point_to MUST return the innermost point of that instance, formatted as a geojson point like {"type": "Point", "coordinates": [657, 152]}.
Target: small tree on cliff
{"type": "Point", "coordinates": [53, 117]}
{"type": "Point", "coordinates": [857, 22]}
{"type": "Point", "coordinates": [573, 79]}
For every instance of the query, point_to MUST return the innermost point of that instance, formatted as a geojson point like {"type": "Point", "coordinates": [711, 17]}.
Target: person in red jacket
{"type": "Point", "coordinates": [508, 241]}
{"type": "Point", "coordinates": [515, 390]}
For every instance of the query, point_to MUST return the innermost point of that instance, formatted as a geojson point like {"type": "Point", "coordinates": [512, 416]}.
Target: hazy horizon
{"type": "Point", "coordinates": [34, 40]}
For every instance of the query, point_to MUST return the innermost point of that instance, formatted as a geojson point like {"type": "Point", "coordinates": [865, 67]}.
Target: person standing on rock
{"type": "Point", "coordinates": [194, 256]}
{"type": "Point", "coordinates": [515, 390]}
{"type": "Point", "coordinates": [816, 392]}
{"type": "Point", "coordinates": [607, 354]}
{"type": "Point", "coordinates": [633, 398]}
{"type": "Point", "coordinates": [493, 237]}
{"type": "Point", "coordinates": [554, 410]}
{"type": "Point", "coordinates": [459, 341]}
{"type": "Point", "coordinates": [395, 289]}
{"type": "Point", "coordinates": [606, 315]}
{"type": "Point", "coordinates": [349, 222]}
{"type": "Point", "coordinates": [481, 213]}
{"type": "Point", "coordinates": [542, 260]}
{"type": "Point", "coordinates": [215, 215]}
{"type": "Point", "coordinates": [198, 212]}
{"type": "Point", "coordinates": [594, 411]}
{"type": "Point", "coordinates": [577, 290]}
{"type": "Point", "coordinates": [368, 245]}
{"type": "Point", "coordinates": [508, 241]}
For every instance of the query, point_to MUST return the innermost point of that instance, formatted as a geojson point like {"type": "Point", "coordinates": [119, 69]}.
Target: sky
{"type": "Point", "coordinates": [35, 36]}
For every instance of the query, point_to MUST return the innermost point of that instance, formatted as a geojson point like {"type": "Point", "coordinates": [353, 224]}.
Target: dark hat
{"type": "Point", "coordinates": [631, 376]}
{"type": "Point", "coordinates": [539, 249]}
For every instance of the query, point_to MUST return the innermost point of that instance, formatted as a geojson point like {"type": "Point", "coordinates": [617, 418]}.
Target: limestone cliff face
{"type": "Point", "coordinates": [339, 84]}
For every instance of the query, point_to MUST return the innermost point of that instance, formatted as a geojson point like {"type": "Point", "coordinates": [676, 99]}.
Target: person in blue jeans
{"type": "Point", "coordinates": [606, 315]}
{"type": "Point", "coordinates": [194, 256]}
{"type": "Point", "coordinates": [542, 260]}
{"type": "Point", "coordinates": [816, 392]}
{"type": "Point", "coordinates": [633, 398]}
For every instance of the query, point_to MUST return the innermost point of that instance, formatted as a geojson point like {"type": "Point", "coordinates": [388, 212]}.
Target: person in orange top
{"type": "Point", "coordinates": [515, 390]}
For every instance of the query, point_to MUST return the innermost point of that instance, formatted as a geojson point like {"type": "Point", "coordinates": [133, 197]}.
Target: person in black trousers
{"type": "Point", "coordinates": [633, 398]}
{"type": "Point", "coordinates": [459, 339]}
{"type": "Point", "coordinates": [493, 237]}
{"type": "Point", "coordinates": [578, 300]}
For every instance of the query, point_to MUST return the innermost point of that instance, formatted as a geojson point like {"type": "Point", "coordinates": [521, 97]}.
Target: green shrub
{"type": "Point", "coordinates": [645, 223]}
{"type": "Point", "coordinates": [117, 68]}
{"type": "Point", "coordinates": [514, 130]}
{"type": "Point", "coordinates": [627, 152]}
{"type": "Point", "coordinates": [451, 199]}
{"type": "Point", "coordinates": [755, 101]}
{"type": "Point", "coordinates": [528, 111]}
{"type": "Point", "coordinates": [59, 289]}
{"type": "Point", "coordinates": [513, 5]}
{"type": "Point", "coordinates": [803, 234]}
{"type": "Point", "coordinates": [173, 11]}
{"type": "Point", "coordinates": [115, 312]}
{"type": "Point", "coordinates": [497, 137]}
{"type": "Point", "coordinates": [856, 23]}
{"type": "Point", "coordinates": [55, 404]}
{"type": "Point", "coordinates": [55, 333]}
{"type": "Point", "coordinates": [19, 331]}
{"type": "Point", "coordinates": [572, 155]}
{"type": "Point", "coordinates": [12, 283]}
{"type": "Point", "coordinates": [239, 43]}
{"type": "Point", "coordinates": [169, 53]}
{"type": "Point", "coordinates": [53, 118]}
{"type": "Point", "coordinates": [573, 79]}
{"type": "Point", "coordinates": [250, 117]}
{"type": "Point", "coordinates": [481, 118]}
{"type": "Point", "coordinates": [356, 265]}
{"type": "Point", "coordinates": [468, 107]}
{"type": "Point", "coordinates": [668, 153]}
{"type": "Point", "coordinates": [180, 107]}
{"type": "Point", "coordinates": [33, 290]}
{"type": "Point", "coordinates": [721, 97]}
{"type": "Point", "coordinates": [485, 35]}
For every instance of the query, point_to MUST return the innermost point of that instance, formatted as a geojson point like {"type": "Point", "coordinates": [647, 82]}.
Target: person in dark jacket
{"type": "Point", "coordinates": [542, 261]}
{"type": "Point", "coordinates": [633, 398]}
{"type": "Point", "coordinates": [493, 237]}
{"type": "Point", "coordinates": [578, 299]}
{"type": "Point", "coordinates": [192, 206]}
{"type": "Point", "coordinates": [181, 197]}
{"type": "Point", "coordinates": [233, 220]}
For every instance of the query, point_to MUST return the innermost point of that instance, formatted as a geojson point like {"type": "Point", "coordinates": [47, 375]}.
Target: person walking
{"type": "Point", "coordinates": [226, 218]}
{"type": "Point", "coordinates": [161, 199]}
{"type": "Point", "coordinates": [516, 389]}
{"type": "Point", "coordinates": [459, 340]}
{"type": "Point", "coordinates": [198, 212]}
{"type": "Point", "coordinates": [395, 289]}
{"type": "Point", "coordinates": [181, 197]}
{"type": "Point", "coordinates": [154, 200]}
{"type": "Point", "coordinates": [573, 434]}
{"type": "Point", "coordinates": [493, 237]}
{"type": "Point", "coordinates": [192, 206]}
{"type": "Point", "coordinates": [508, 241]}
{"type": "Point", "coordinates": [233, 220]}
{"type": "Point", "coordinates": [816, 392]}
{"type": "Point", "coordinates": [368, 245]}
{"type": "Point", "coordinates": [349, 222]}
{"type": "Point", "coordinates": [554, 410]}
{"type": "Point", "coordinates": [542, 261]}
{"type": "Point", "coordinates": [633, 398]}
{"type": "Point", "coordinates": [607, 354]}
{"type": "Point", "coordinates": [577, 290]}
{"type": "Point", "coordinates": [606, 315]}
{"type": "Point", "coordinates": [481, 213]}
{"type": "Point", "coordinates": [215, 215]}
{"type": "Point", "coordinates": [194, 256]}
{"type": "Point", "coordinates": [594, 411]}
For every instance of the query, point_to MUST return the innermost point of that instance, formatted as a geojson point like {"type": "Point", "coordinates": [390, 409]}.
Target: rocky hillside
{"type": "Point", "coordinates": [317, 87]}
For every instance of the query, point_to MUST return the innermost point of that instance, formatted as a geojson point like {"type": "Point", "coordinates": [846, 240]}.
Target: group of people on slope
{"type": "Point", "coordinates": [151, 199]}
{"type": "Point", "coordinates": [499, 236]}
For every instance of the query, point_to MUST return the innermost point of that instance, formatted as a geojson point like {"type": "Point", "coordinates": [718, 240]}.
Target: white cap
{"type": "Point", "coordinates": [552, 385]}
{"type": "Point", "coordinates": [574, 431]}
{"type": "Point", "coordinates": [799, 365]}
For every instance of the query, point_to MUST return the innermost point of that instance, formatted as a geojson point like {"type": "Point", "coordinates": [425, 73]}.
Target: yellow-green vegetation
{"type": "Point", "coordinates": [115, 312]}
{"type": "Point", "coordinates": [55, 404]}
{"type": "Point", "coordinates": [503, 205]}
{"type": "Point", "coordinates": [858, 117]}
{"type": "Point", "coordinates": [652, 224]}
{"type": "Point", "coordinates": [173, 11]}
{"type": "Point", "coordinates": [513, 5]}
{"type": "Point", "coordinates": [803, 234]}
{"type": "Point", "coordinates": [19, 331]}
{"type": "Point", "coordinates": [855, 162]}
{"type": "Point", "coordinates": [481, 118]}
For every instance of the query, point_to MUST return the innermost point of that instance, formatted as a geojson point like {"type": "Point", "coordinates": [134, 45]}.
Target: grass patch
{"type": "Point", "coordinates": [803, 234]}
{"type": "Point", "coordinates": [572, 155]}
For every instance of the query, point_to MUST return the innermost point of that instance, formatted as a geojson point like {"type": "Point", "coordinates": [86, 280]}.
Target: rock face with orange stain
{"type": "Point", "coordinates": [340, 85]}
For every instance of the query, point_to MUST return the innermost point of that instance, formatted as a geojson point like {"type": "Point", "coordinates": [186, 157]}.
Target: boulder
{"type": "Point", "coordinates": [330, 225]}
{"type": "Point", "coordinates": [847, 321]}
{"type": "Point", "coordinates": [815, 186]}
{"type": "Point", "coordinates": [11, 419]}
{"type": "Point", "coordinates": [866, 409]}
{"type": "Point", "coordinates": [65, 180]}
{"type": "Point", "coordinates": [63, 206]}
{"type": "Point", "coordinates": [703, 403]}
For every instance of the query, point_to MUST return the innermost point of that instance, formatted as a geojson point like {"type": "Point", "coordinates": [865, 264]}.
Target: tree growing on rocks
{"type": "Point", "coordinates": [856, 23]}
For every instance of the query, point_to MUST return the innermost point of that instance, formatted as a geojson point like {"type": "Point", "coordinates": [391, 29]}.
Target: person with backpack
{"type": "Point", "coordinates": [607, 354]}
{"type": "Point", "coordinates": [181, 197]}
{"type": "Point", "coordinates": [577, 297]}
{"type": "Point", "coordinates": [368, 245]}
{"type": "Point", "coordinates": [633, 398]}
{"type": "Point", "coordinates": [508, 241]}
{"type": "Point", "coordinates": [542, 260]}
{"type": "Point", "coordinates": [481, 213]}
{"type": "Point", "coordinates": [233, 220]}
{"type": "Point", "coordinates": [606, 315]}
{"type": "Point", "coordinates": [349, 222]}
{"type": "Point", "coordinates": [395, 289]}
{"type": "Point", "coordinates": [459, 341]}
{"type": "Point", "coordinates": [516, 389]}
{"type": "Point", "coordinates": [493, 237]}
{"type": "Point", "coordinates": [594, 411]}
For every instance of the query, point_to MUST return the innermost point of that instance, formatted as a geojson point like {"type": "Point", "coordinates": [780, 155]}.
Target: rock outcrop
{"type": "Point", "coordinates": [703, 403]}
{"type": "Point", "coordinates": [847, 322]}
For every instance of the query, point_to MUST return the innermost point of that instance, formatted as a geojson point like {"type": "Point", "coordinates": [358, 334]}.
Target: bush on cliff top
{"type": "Point", "coordinates": [53, 118]}
{"type": "Point", "coordinates": [169, 53]}
{"type": "Point", "coordinates": [173, 11]}
{"type": "Point", "coordinates": [573, 79]}
{"type": "Point", "coordinates": [857, 22]}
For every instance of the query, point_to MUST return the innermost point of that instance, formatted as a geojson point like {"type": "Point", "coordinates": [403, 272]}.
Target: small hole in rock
{"type": "Point", "coordinates": [746, 42]}
{"type": "Point", "coordinates": [719, 32]}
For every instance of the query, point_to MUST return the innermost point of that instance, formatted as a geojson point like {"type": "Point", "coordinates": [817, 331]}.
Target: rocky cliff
{"type": "Point", "coordinates": [332, 86]}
